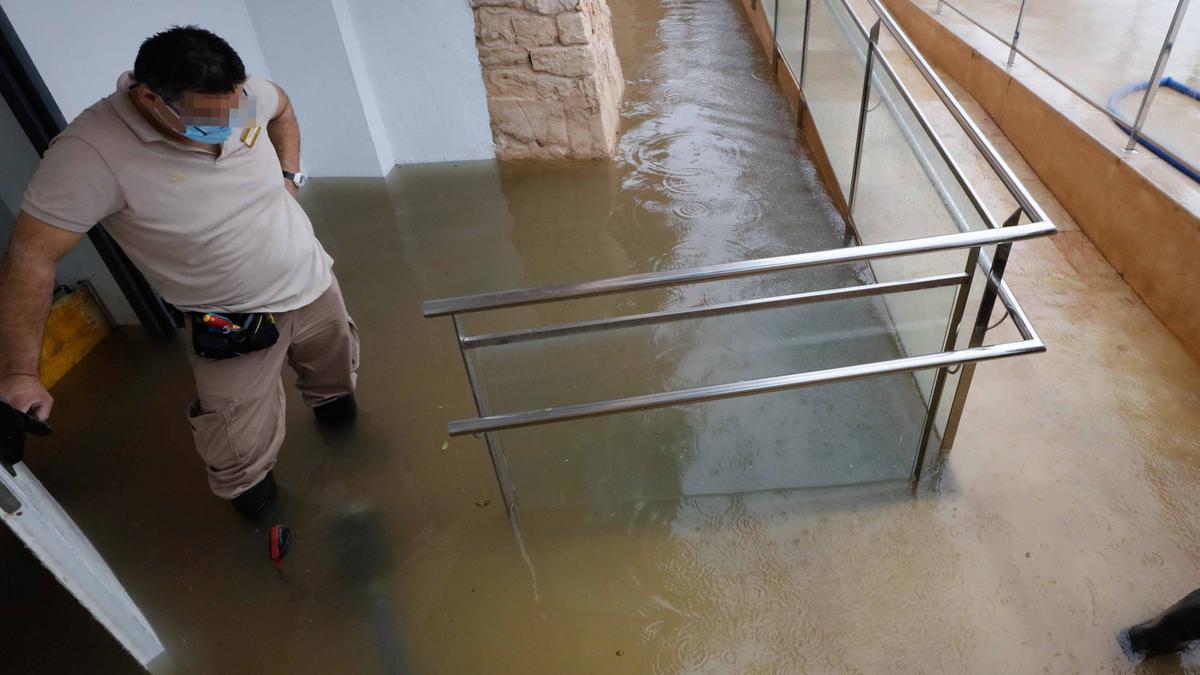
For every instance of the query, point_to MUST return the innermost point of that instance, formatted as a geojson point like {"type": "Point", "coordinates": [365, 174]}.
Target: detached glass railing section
{"type": "Point", "coordinates": [815, 369]}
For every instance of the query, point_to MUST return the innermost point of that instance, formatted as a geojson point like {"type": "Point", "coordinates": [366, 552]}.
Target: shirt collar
{"type": "Point", "coordinates": [140, 126]}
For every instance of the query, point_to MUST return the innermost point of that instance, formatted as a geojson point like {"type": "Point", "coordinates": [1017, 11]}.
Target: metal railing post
{"type": "Point", "coordinates": [492, 439]}
{"type": "Point", "coordinates": [775, 38]}
{"type": "Point", "coordinates": [1012, 52]}
{"type": "Point", "coordinates": [987, 303]}
{"type": "Point", "coordinates": [804, 45]}
{"type": "Point", "coordinates": [939, 380]}
{"type": "Point", "coordinates": [1156, 77]}
{"type": "Point", "coordinates": [872, 47]}
{"type": "Point", "coordinates": [939, 8]}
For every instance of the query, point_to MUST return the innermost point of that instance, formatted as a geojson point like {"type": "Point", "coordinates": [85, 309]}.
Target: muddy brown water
{"type": "Point", "coordinates": [404, 560]}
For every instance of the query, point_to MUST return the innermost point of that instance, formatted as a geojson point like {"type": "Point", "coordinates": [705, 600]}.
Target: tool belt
{"type": "Point", "coordinates": [224, 336]}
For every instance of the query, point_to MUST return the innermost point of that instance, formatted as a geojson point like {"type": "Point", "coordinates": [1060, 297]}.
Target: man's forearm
{"type": "Point", "coordinates": [25, 290]}
{"type": "Point", "coordinates": [285, 135]}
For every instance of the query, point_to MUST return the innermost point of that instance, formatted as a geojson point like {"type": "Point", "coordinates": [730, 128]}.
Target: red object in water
{"type": "Point", "coordinates": [281, 539]}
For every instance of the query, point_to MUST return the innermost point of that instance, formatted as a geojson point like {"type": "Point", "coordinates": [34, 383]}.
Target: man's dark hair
{"type": "Point", "coordinates": [188, 58]}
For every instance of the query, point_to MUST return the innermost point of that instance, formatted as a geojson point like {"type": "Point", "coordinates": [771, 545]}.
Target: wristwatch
{"type": "Point", "coordinates": [298, 179]}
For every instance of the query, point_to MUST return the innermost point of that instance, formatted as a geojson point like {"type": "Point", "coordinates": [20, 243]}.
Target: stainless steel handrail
{"type": "Point", "coordinates": [1069, 87]}
{"type": "Point", "coordinates": [577, 411]}
{"type": "Point", "coordinates": [635, 282]}
{"type": "Point", "coordinates": [811, 297]}
{"type": "Point", "coordinates": [973, 241]}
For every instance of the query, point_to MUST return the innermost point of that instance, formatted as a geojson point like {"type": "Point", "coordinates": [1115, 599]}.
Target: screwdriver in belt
{"type": "Point", "coordinates": [220, 322]}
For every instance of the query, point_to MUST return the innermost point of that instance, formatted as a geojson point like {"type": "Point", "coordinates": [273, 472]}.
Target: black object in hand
{"type": "Point", "coordinates": [14, 424]}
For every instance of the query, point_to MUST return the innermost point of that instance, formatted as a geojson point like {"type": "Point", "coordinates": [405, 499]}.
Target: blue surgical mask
{"type": "Point", "coordinates": [208, 134]}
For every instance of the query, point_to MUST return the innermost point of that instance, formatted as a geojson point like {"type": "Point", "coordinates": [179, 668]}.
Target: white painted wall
{"type": "Point", "coordinates": [313, 63]}
{"type": "Point", "coordinates": [422, 61]}
{"type": "Point", "coordinates": [375, 82]}
{"type": "Point", "coordinates": [366, 89]}
{"type": "Point", "coordinates": [80, 47]}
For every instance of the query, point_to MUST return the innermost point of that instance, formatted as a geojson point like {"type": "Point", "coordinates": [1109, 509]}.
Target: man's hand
{"type": "Point", "coordinates": [291, 188]}
{"type": "Point", "coordinates": [26, 394]}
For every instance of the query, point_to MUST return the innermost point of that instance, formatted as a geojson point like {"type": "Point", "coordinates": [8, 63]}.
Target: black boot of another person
{"type": "Point", "coordinates": [337, 412]}
{"type": "Point", "coordinates": [1172, 631]}
{"type": "Point", "coordinates": [252, 502]}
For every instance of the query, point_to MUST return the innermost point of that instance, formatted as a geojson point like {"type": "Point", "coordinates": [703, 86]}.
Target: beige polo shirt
{"type": "Point", "coordinates": [209, 232]}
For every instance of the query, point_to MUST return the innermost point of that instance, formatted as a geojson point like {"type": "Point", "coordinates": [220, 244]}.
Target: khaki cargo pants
{"type": "Point", "coordinates": [237, 419]}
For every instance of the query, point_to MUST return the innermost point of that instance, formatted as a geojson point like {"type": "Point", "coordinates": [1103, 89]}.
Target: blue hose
{"type": "Point", "coordinates": [1170, 83]}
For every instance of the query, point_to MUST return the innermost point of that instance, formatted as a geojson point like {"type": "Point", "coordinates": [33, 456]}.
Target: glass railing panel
{"type": "Point", "coordinates": [673, 297]}
{"type": "Point", "coordinates": [833, 83]}
{"type": "Point", "coordinates": [769, 8]}
{"type": "Point", "coordinates": [805, 438]}
{"type": "Point", "coordinates": [906, 191]}
{"type": "Point", "coordinates": [907, 188]}
{"type": "Point", "coordinates": [831, 435]}
{"type": "Point", "coordinates": [695, 352]}
{"type": "Point", "coordinates": [791, 33]}
{"type": "Point", "coordinates": [997, 16]}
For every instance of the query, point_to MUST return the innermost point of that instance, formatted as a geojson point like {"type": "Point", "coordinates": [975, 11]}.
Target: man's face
{"type": "Point", "coordinates": [210, 109]}
{"type": "Point", "coordinates": [199, 109]}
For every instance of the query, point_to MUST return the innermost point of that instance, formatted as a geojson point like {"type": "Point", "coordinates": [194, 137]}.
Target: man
{"type": "Point", "coordinates": [179, 167]}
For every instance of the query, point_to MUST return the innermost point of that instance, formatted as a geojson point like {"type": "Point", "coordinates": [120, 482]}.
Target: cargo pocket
{"type": "Point", "coordinates": [210, 431]}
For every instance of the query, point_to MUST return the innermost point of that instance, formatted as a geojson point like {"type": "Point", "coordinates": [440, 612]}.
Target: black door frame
{"type": "Point", "coordinates": [26, 94]}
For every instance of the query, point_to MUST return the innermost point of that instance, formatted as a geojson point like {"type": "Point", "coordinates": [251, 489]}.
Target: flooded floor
{"type": "Point", "coordinates": [1066, 511]}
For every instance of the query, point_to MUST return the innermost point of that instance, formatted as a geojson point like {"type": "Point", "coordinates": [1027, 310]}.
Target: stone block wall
{"type": "Point", "coordinates": [553, 80]}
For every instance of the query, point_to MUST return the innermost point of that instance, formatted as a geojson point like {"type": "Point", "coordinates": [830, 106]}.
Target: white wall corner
{"type": "Point", "coordinates": [426, 78]}
{"type": "Point", "coordinates": [305, 48]}
{"type": "Point", "coordinates": [366, 92]}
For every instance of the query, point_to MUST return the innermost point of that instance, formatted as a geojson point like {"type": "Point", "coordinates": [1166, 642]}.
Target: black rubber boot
{"type": "Point", "coordinates": [252, 502]}
{"type": "Point", "coordinates": [337, 412]}
{"type": "Point", "coordinates": [1172, 631]}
